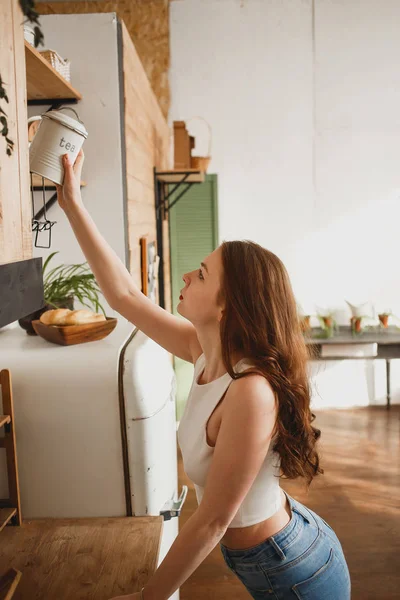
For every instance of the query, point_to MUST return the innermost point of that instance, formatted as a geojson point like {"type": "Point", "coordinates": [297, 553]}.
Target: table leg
{"type": "Point", "coordinates": [387, 384]}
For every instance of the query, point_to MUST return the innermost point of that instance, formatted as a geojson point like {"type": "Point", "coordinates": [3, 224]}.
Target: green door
{"type": "Point", "coordinates": [193, 230]}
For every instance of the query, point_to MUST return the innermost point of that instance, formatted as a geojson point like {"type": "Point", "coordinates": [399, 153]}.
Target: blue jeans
{"type": "Point", "coordinates": [304, 560]}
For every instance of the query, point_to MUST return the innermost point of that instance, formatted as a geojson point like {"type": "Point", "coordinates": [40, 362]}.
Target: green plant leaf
{"type": "Point", "coordinates": [48, 259]}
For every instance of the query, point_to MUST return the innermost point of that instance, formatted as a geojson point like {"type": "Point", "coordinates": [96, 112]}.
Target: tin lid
{"type": "Point", "coordinates": [74, 124]}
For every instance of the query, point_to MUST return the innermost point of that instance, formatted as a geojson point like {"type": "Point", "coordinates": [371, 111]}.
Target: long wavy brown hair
{"type": "Point", "coordinates": [260, 321]}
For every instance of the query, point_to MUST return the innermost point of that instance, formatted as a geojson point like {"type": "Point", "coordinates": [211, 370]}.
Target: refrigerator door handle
{"type": "Point", "coordinates": [172, 508]}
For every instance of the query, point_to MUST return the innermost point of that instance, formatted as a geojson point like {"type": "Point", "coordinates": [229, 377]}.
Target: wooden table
{"type": "Point", "coordinates": [71, 559]}
{"type": "Point", "coordinates": [388, 347]}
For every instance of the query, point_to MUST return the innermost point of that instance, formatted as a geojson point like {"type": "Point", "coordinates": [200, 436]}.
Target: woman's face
{"type": "Point", "coordinates": [198, 302]}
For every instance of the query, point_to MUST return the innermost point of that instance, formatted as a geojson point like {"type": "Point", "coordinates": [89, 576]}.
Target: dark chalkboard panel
{"type": "Point", "coordinates": [21, 289]}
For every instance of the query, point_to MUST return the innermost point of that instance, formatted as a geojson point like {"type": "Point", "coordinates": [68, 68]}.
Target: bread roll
{"type": "Point", "coordinates": [55, 317]}
{"type": "Point", "coordinates": [80, 317]}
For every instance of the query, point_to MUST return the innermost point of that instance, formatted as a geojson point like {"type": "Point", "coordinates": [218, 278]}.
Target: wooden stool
{"type": "Point", "coordinates": [10, 509]}
{"type": "Point", "coordinates": [8, 584]}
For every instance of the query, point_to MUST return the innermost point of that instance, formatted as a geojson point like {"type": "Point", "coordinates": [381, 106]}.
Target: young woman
{"type": "Point", "coordinates": [247, 420]}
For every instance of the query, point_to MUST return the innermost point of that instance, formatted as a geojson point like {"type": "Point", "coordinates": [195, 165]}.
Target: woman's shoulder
{"type": "Point", "coordinates": [255, 380]}
{"type": "Point", "coordinates": [255, 393]}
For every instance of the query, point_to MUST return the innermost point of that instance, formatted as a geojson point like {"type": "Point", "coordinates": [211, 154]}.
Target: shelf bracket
{"type": "Point", "coordinates": [160, 185]}
{"type": "Point", "coordinates": [46, 225]}
{"type": "Point", "coordinates": [54, 104]}
{"type": "Point", "coordinates": [180, 180]}
{"type": "Point", "coordinates": [47, 205]}
{"type": "Point", "coordinates": [174, 189]}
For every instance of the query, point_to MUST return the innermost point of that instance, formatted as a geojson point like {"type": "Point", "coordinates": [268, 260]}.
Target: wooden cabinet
{"type": "Point", "coordinates": [15, 204]}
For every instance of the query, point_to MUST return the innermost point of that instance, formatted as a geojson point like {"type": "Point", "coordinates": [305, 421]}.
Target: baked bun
{"type": "Point", "coordinates": [55, 317]}
{"type": "Point", "coordinates": [80, 317]}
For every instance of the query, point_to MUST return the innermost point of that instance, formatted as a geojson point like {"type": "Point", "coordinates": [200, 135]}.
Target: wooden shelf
{"type": "Point", "coordinates": [175, 176]}
{"type": "Point", "coordinates": [4, 419]}
{"type": "Point", "coordinates": [6, 514]}
{"type": "Point", "coordinates": [43, 81]}
{"type": "Point", "coordinates": [48, 185]}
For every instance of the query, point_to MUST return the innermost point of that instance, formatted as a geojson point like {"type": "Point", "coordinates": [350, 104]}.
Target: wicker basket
{"type": "Point", "coordinates": [61, 65]}
{"type": "Point", "coordinates": [201, 162]}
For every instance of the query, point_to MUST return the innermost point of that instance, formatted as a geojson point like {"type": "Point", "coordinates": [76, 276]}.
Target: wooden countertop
{"type": "Point", "coordinates": [96, 559]}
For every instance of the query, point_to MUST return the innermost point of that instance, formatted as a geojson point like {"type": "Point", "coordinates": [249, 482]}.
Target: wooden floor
{"type": "Point", "coordinates": [359, 496]}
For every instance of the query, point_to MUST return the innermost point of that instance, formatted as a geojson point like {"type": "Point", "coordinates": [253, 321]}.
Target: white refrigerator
{"type": "Point", "coordinates": [95, 426]}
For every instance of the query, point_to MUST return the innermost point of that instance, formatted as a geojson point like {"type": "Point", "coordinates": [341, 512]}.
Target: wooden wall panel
{"type": "Point", "coordinates": [22, 135]}
{"type": "Point", "coordinates": [147, 139]}
{"type": "Point", "coordinates": [15, 206]}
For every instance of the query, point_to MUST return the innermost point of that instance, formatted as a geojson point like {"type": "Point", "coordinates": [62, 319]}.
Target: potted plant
{"type": "Point", "coordinates": [61, 286]}
{"type": "Point", "coordinates": [305, 324]}
{"type": "Point", "coordinates": [356, 323]}
{"type": "Point", "coordinates": [328, 323]}
{"type": "Point", "coordinates": [304, 319]}
{"type": "Point", "coordinates": [360, 317]}
{"type": "Point", "coordinates": [384, 318]}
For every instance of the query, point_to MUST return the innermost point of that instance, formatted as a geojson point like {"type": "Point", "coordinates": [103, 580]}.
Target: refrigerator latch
{"type": "Point", "coordinates": [173, 508]}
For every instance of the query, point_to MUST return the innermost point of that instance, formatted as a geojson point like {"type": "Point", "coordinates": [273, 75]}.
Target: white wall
{"type": "Point", "coordinates": [303, 103]}
{"type": "Point", "coordinates": [89, 41]}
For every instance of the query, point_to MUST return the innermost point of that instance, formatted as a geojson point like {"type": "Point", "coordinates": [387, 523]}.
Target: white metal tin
{"type": "Point", "coordinates": [58, 134]}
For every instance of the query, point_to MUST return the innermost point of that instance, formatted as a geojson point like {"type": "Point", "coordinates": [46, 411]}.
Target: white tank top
{"type": "Point", "coordinates": [264, 498]}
